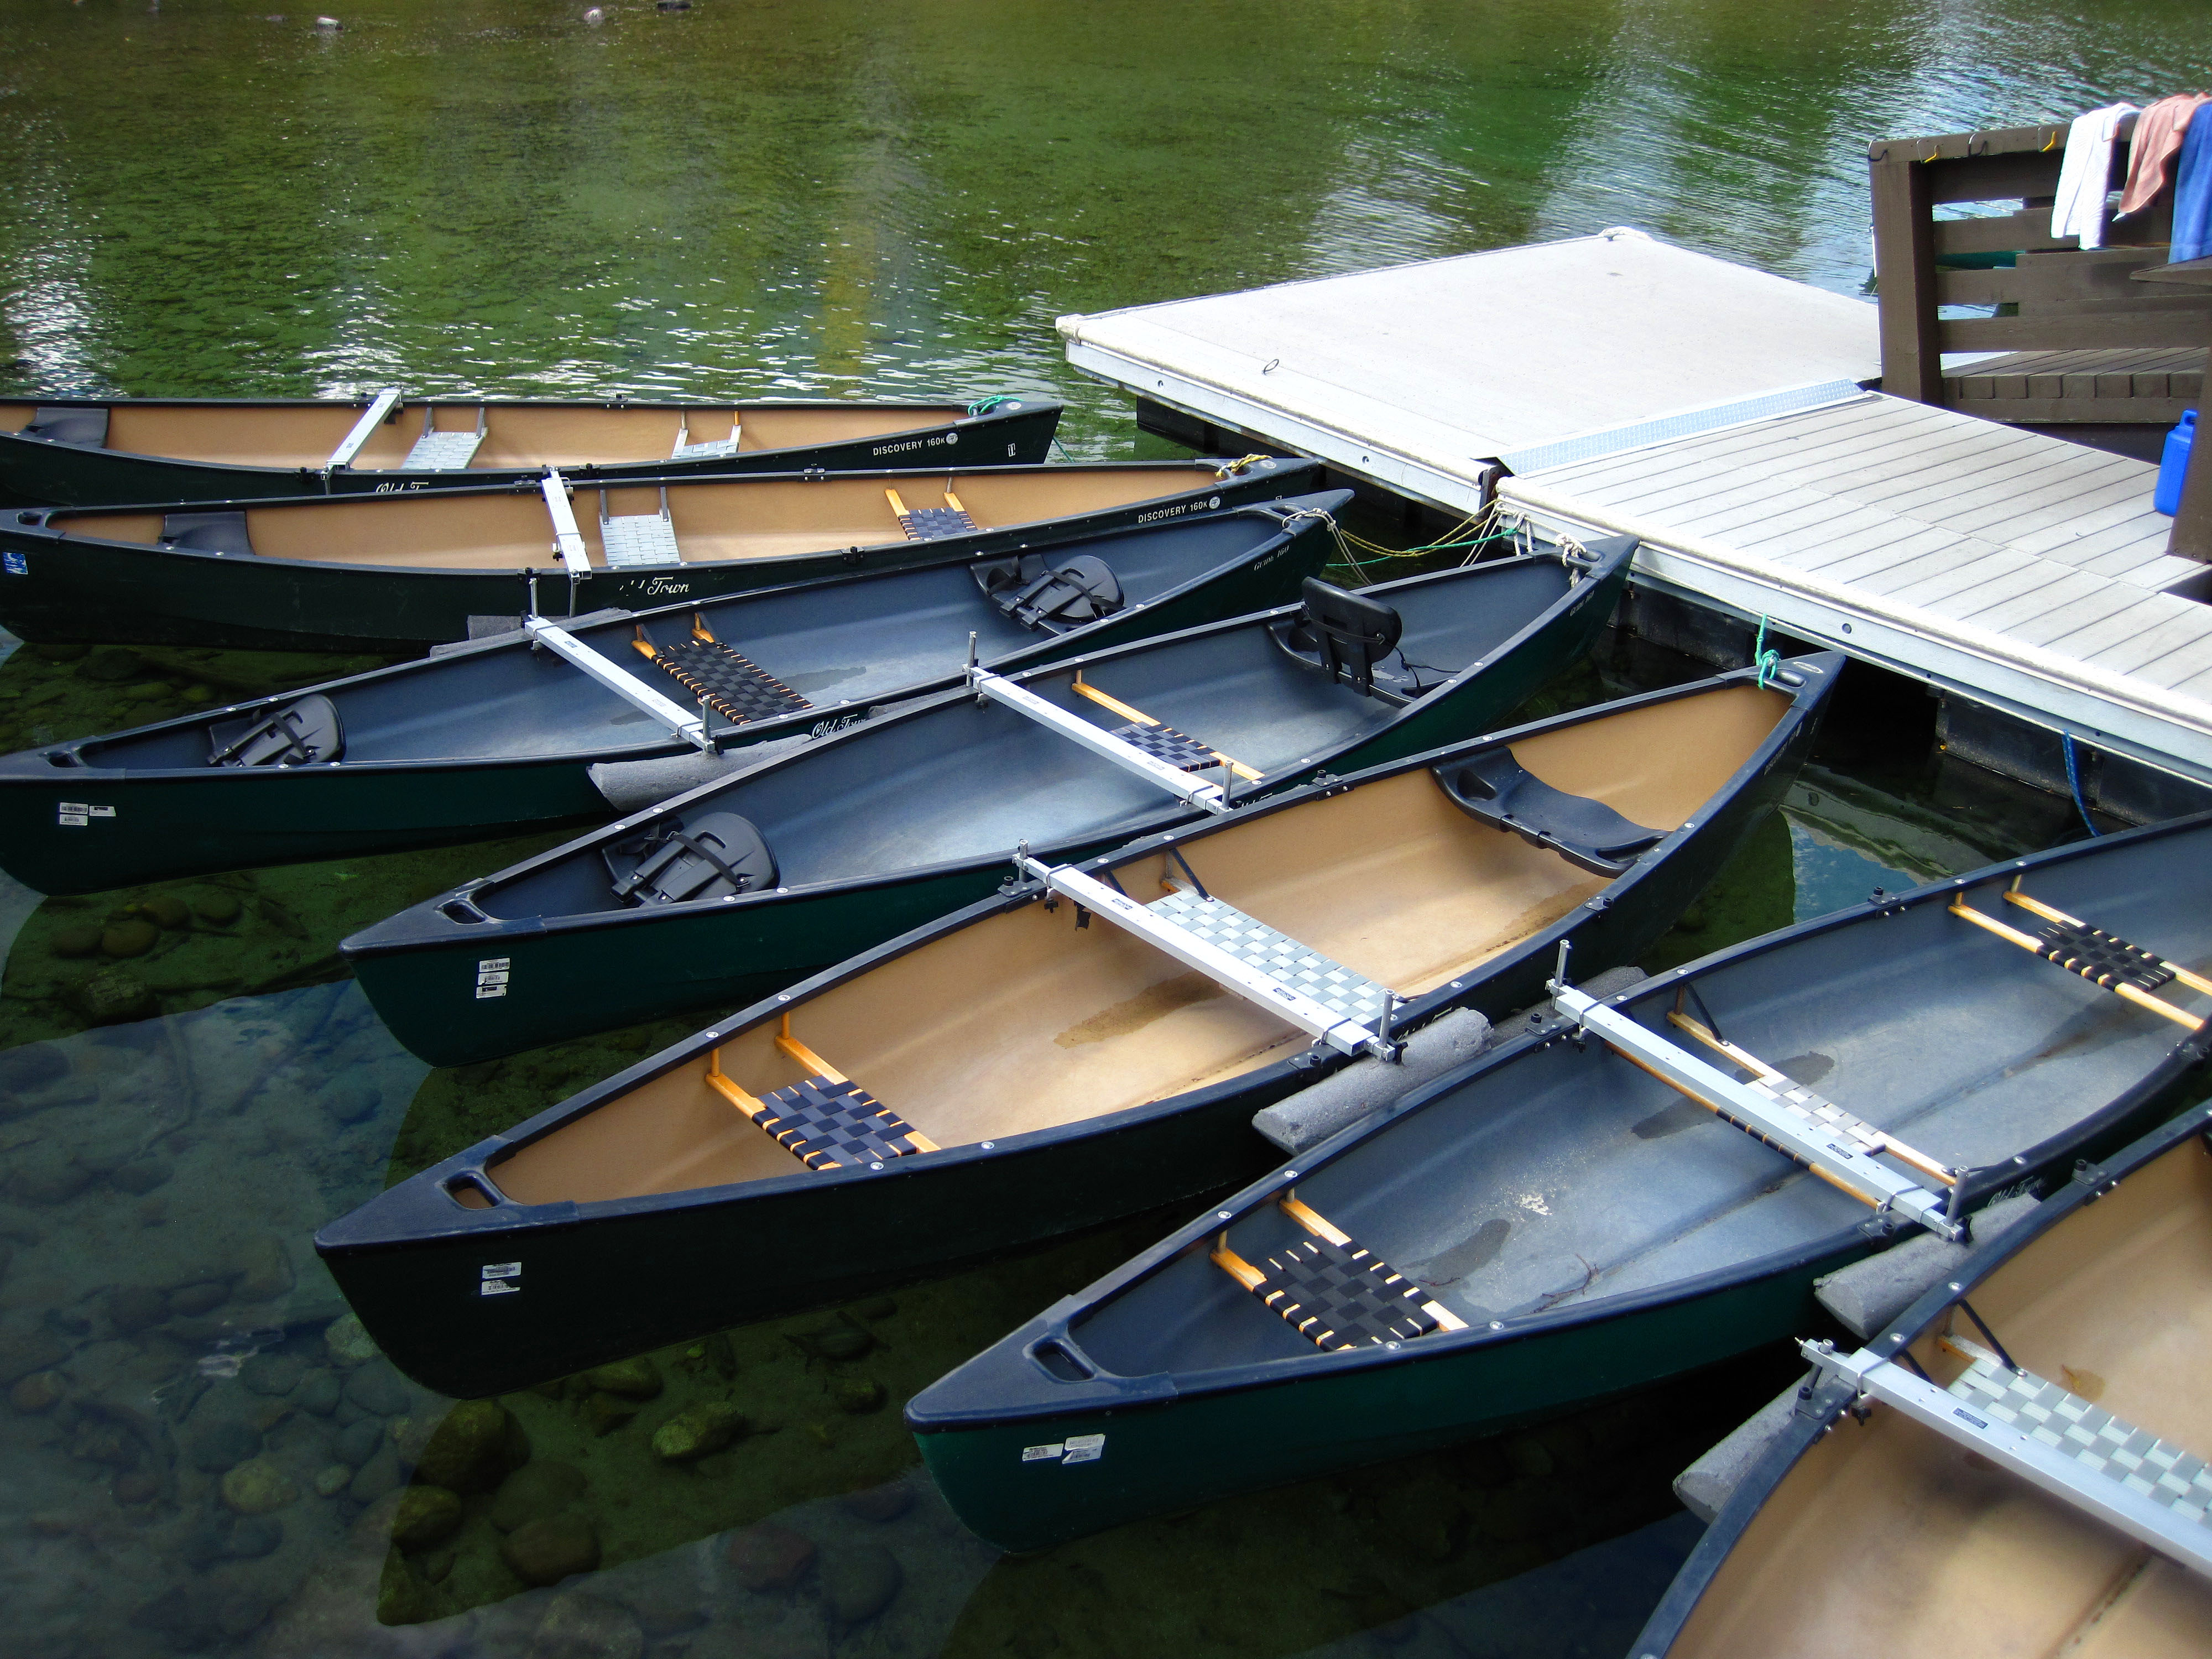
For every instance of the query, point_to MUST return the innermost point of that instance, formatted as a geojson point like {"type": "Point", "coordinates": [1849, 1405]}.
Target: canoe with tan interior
{"type": "Point", "coordinates": [1632, 1188]}
{"type": "Point", "coordinates": [399, 572]}
{"type": "Point", "coordinates": [2060, 1508]}
{"type": "Point", "coordinates": [87, 452]}
{"type": "Point", "coordinates": [1051, 1068]}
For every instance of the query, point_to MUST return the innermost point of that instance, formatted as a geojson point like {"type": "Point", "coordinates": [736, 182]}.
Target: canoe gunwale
{"type": "Point", "coordinates": [727, 734]}
{"type": "Point", "coordinates": [1819, 1411]}
{"type": "Point", "coordinates": [479, 1163]}
{"type": "Point", "coordinates": [2187, 1054]}
{"type": "Point", "coordinates": [434, 929]}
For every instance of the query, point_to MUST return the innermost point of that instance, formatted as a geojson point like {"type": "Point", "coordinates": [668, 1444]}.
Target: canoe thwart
{"type": "Point", "coordinates": [1047, 595]}
{"type": "Point", "coordinates": [1826, 1111]}
{"type": "Point", "coordinates": [826, 1120]}
{"type": "Point", "coordinates": [728, 681]}
{"type": "Point", "coordinates": [1167, 748]}
{"type": "Point", "coordinates": [1295, 983]}
{"type": "Point", "coordinates": [1209, 797]}
{"type": "Point", "coordinates": [2128, 971]}
{"type": "Point", "coordinates": [2155, 1492]}
{"type": "Point", "coordinates": [713, 856]}
{"type": "Point", "coordinates": [302, 733]}
{"type": "Point", "coordinates": [1495, 788]}
{"type": "Point", "coordinates": [929, 523]}
{"type": "Point", "coordinates": [1335, 1292]}
{"type": "Point", "coordinates": [1766, 1114]}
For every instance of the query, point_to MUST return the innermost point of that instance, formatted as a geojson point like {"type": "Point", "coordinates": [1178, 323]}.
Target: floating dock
{"type": "Point", "coordinates": [1614, 384]}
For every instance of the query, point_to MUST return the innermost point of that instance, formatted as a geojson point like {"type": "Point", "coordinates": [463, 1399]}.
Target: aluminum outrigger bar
{"type": "Point", "coordinates": [1263, 989]}
{"type": "Point", "coordinates": [1760, 1111]}
{"type": "Point", "coordinates": [1183, 786]}
{"type": "Point", "coordinates": [2139, 1501]}
{"type": "Point", "coordinates": [690, 725]}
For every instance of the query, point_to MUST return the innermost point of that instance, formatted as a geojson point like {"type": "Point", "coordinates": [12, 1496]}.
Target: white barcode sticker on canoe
{"type": "Point", "coordinates": [77, 814]}
{"type": "Point", "coordinates": [1085, 1448]}
{"type": "Point", "coordinates": [492, 973]}
{"type": "Point", "coordinates": [500, 1279]}
{"type": "Point", "coordinates": [1039, 1454]}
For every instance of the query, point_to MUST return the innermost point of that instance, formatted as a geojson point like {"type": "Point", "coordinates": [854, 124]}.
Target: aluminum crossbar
{"type": "Point", "coordinates": [379, 408]}
{"type": "Point", "coordinates": [1760, 1111]}
{"type": "Point", "coordinates": [567, 540]}
{"type": "Point", "coordinates": [1232, 973]}
{"type": "Point", "coordinates": [1183, 786]}
{"type": "Point", "coordinates": [688, 724]}
{"type": "Point", "coordinates": [2137, 1500]}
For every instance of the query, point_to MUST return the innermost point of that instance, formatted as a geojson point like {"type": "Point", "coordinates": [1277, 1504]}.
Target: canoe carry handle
{"type": "Point", "coordinates": [2128, 971]}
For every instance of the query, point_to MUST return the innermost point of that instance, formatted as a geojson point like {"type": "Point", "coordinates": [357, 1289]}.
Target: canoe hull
{"type": "Point", "coordinates": [83, 589]}
{"type": "Point", "coordinates": [72, 475]}
{"type": "Point", "coordinates": [594, 972]}
{"type": "Point", "coordinates": [171, 823]}
{"type": "Point", "coordinates": [411, 1262]}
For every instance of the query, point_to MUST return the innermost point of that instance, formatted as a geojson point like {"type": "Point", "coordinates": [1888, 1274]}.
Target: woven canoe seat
{"type": "Point", "coordinates": [826, 1124]}
{"type": "Point", "coordinates": [1341, 1298]}
{"type": "Point", "coordinates": [728, 681]}
{"type": "Point", "coordinates": [1165, 743]}
{"type": "Point", "coordinates": [2101, 957]}
{"type": "Point", "coordinates": [932, 524]}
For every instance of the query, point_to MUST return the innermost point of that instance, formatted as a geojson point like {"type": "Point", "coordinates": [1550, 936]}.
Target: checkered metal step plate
{"type": "Point", "coordinates": [712, 449]}
{"type": "Point", "coordinates": [443, 452]}
{"type": "Point", "coordinates": [2094, 1438]}
{"type": "Point", "coordinates": [639, 540]}
{"type": "Point", "coordinates": [1280, 957]}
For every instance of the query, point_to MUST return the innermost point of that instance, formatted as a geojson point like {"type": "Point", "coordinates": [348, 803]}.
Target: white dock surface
{"type": "Point", "coordinates": [1419, 376]}
{"type": "Point", "coordinates": [2020, 569]}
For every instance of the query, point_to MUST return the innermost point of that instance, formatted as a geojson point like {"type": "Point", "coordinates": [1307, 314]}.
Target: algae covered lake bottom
{"type": "Point", "coordinates": [193, 1419]}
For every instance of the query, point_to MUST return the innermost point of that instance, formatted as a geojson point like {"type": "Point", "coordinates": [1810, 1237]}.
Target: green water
{"type": "Point", "coordinates": [752, 197]}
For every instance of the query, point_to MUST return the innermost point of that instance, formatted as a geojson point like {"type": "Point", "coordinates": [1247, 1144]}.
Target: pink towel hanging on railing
{"type": "Point", "coordinates": [2159, 132]}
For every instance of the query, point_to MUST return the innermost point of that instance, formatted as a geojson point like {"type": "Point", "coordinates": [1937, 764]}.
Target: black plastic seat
{"type": "Point", "coordinates": [63, 425]}
{"type": "Point", "coordinates": [1498, 790]}
{"type": "Point", "coordinates": [718, 855]}
{"type": "Point", "coordinates": [1050, 596]}
{"type": "Point", "coordinates": [1347, 632]}
{"type": "Point", "coordinates": [207, 533]}
{"type": "Point", "coordinates": [303, 732]}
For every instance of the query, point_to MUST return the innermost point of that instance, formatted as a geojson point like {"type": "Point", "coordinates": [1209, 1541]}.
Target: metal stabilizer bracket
{"type": "Point", "coordinates": [1183, 786]}
{"type": "Point", "coordinates": [382, 405]}
{"type": "Point", "coordinates": [690, 725]}
{"type": "Point", "coordinates": [1231, 972]}
{"type": "Point", "coordinates": [2084, 1457]}
{"type": "Point", "coordinates": [1759, 1111]}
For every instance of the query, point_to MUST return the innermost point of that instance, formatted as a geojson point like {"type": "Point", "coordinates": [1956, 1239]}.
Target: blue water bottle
{"type": "Point", "coordinates": [2173, 464]}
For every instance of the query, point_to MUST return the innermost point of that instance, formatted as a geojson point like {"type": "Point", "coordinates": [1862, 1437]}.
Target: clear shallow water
{"type": "Point", "coordinates": [194, 1456]}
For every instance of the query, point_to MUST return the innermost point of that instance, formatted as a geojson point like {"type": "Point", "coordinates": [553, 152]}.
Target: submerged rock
{"type": "Point", "coordinates": [216, 907]}
{"type": "Point", "coordinates": [542, 1487]}
{"type": "Point", "coordinates": [548, 1549]}
{"type": "Point", "coordinates": [80, 941]}
{"type": "Point", "coordinates": [112, 998]}
{"type": "Point", "coordinates": [132, 937]}
{"type": "Point", "coordinates": [693, 1434]}
{"type": "Point", "coordinates": [48, 1177]}
{"type": "Point", "coordinates": [885, 1503]}
{"type": "Point", "coordinates": [40, 1391]}
{"type": "Point", "coordinates": [111, 665]}
{"type": "Point", "coordinates": [839, 1339]}
{"type": "Point", "coordinates": [767, 1557]}
{"type": "Point", "coordinates": [264, 1269]}
{"type": "Point", "coordinates": [633, 1379]}
{"type": "Point", "coordinates": [351, 1102]}
{"type": "Point", "coordinates": [859, 1581]}
{"type": "Point", "coordinates": [273, 1375]}
{"type": "Point", "coordinates": [135, 1308]}
{"type": "Point", "coordinates": [357, 1443]}
{"type": "Point", "coordinates": [166, 910]}
{"type": "Point", "coordinates": [332, 1479]}
{"type": "Point", "coordinates": [140, 1176]}
{"type": "Point", "coordinates": [319, 1393]}
{"type": "Point", "coordinates": [222, 1445]}
{"type": "Point", "coordinates": [348, 1341]}
{"type": "Point", "coordinates": [427, 1515]}
{"type": "Point", "coordinates": [468, 1451]}
{"type": "Point", "coordinates": [378, 1388]}
{"type": "Point", "coordinates": [253, 1537]}
{"type": "Point", "coordinates": [257, 1487]}
{"type": "Point", "coordinates": [605, 1412]}
{"type": "Point", "coordinates": [857, 1394]}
